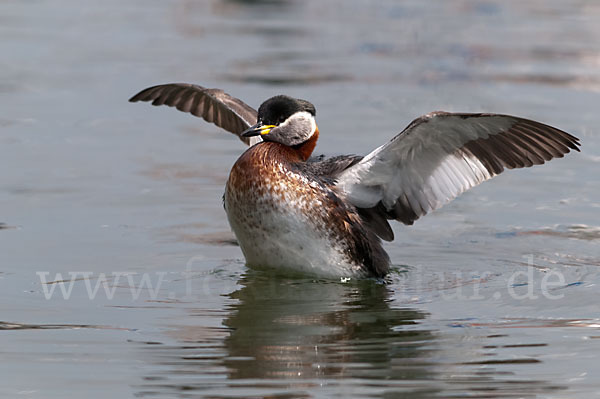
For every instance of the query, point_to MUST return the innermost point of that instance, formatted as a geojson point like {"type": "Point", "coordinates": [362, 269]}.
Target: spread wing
{"type": "Point", "coordinates": [440, 155]}
{"type": "Point", "coordinates": [213, 105]}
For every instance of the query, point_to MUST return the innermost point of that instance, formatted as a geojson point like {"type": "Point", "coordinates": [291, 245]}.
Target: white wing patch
{"type": "Point", "coordinates": [437, 157]}
{"type": "Point", "coordinates": [424, 184]}
{"type": "Point", "coordinates": [254, 140]}
{"type": "Point", "coordinates": [422, 167]}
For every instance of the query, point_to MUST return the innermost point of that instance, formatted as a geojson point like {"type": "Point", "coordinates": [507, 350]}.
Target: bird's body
{"type": "Point", "coordinates": [327, 216]}
{"type": "Point", "coordinates": [284, 216]}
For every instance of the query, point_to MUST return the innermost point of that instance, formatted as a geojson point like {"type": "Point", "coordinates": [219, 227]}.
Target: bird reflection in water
{"type": "Point", "coordinates": [299, 334]}
{"type": "Point", "coordinates": [290, 329]}
{"type": "Point", "coordinates": [328, 338]}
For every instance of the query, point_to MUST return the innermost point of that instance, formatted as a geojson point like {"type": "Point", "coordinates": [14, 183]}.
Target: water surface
{"type": "Point", "coordinates": [117, 206]}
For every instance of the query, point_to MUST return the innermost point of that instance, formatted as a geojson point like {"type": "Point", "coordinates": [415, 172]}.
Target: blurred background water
{"type": "Point", "coordinates": [495, 295]}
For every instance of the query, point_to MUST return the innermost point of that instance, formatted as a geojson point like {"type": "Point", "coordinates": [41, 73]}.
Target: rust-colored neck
{"type": "Point", "coordinates": [305, 149]}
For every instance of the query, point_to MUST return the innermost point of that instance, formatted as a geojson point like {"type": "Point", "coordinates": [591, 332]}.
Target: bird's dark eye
{"type": "Point", "coordinates": [282, 119]}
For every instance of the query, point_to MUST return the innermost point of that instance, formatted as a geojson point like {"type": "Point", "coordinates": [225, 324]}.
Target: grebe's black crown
{"type": "Point", "coordinates": [277, 109]}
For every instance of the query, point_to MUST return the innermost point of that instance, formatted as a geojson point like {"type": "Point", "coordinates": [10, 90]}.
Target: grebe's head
{"type": "Point", "coordinates": [284, 120]}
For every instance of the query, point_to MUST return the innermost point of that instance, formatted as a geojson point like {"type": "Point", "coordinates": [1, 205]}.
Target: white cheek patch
{"type": "Point", "coordinates": [299, 127]}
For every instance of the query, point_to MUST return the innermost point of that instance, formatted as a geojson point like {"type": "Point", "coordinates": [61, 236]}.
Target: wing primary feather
{"type": "Point", "coordinates": [162, 96]}
{"type": "Point", "coordinates": [196, 107]}
{"type": "Point", "coordinates": [549, 148]}
{"type": "Point", "coordinates": [213, 105]}
{"type": "Point", "coordinates": [481, 150]}
{"type": "Point", "coordinates": [503, 151]}
{"type": "Point", "coordinates": [172, 99]}
{"type": "Point", "coordinates": [529, 147]}
{"type": "Point", "coordinates": [186, 101]}
{"type": "Point", "coordinates": [557, 134]}
{"type": "Point", "coordinates": [513, 153]}
{"type": "Point", "coordinates": [556, 141]}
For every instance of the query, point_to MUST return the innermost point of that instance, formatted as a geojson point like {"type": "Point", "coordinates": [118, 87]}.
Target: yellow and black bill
{"type": "Point", "coordinates": [258, 129]}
